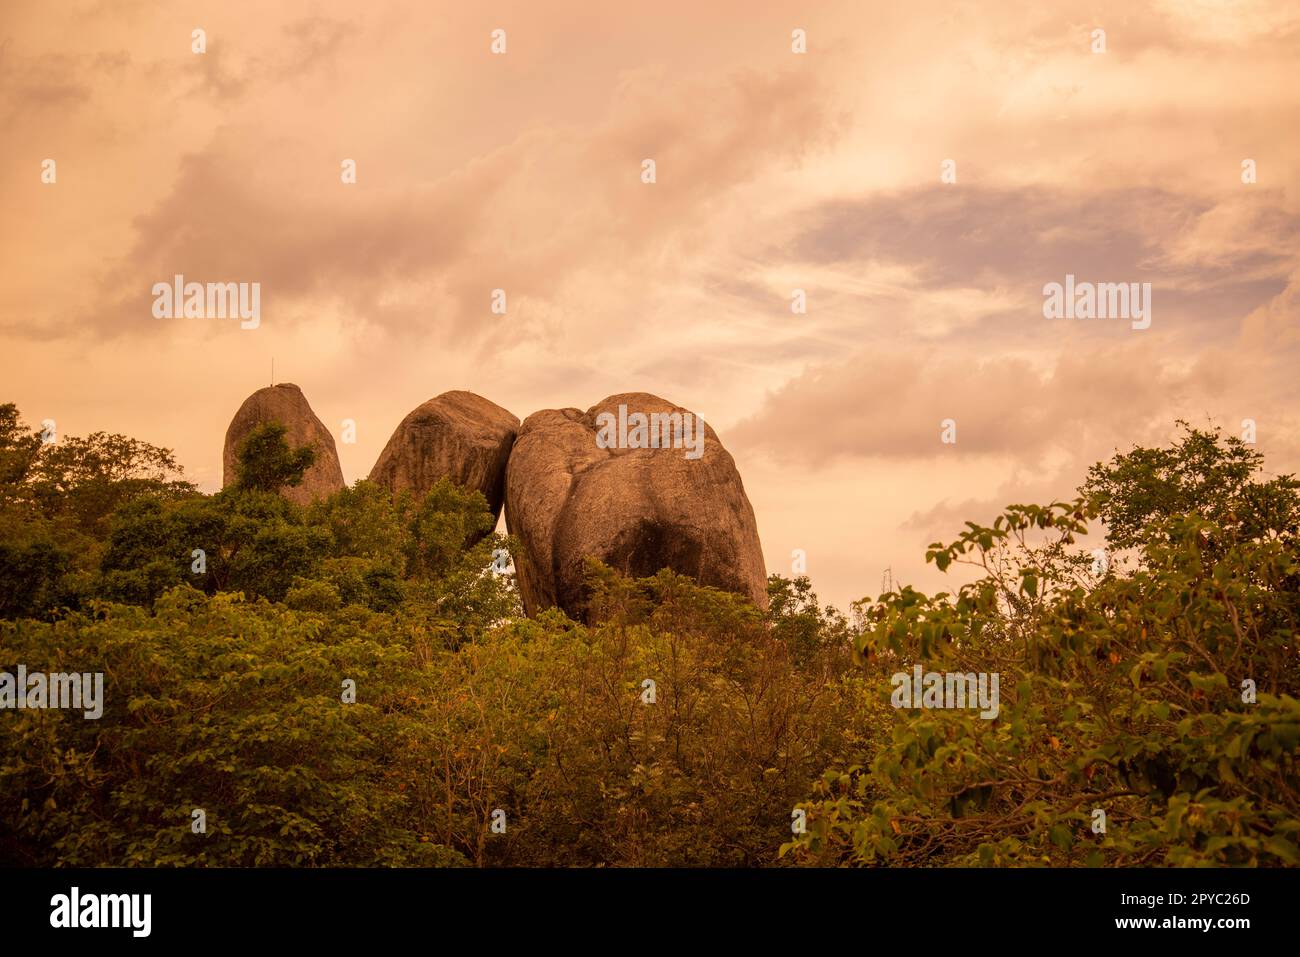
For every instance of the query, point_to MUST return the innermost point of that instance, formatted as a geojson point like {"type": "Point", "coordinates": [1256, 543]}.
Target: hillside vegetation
{"type": "Point", "coordinates": [347, 684]}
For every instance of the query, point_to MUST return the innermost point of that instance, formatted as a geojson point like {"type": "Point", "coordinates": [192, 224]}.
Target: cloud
{"type": "Point", "coordinates": [776, 172]}
{"type": "Point", "coordinates": [891, 405]}
{"type": "Point", "coordinates": [427, 253]}
{"type": "Point", "coordinates": [990, 237]}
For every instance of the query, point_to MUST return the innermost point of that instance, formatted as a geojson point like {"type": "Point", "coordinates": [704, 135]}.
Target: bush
{"type": "Point", "coordinates": [218, 704]}
{"type": "Point", "coordinates": [1148, 717]}
{"type": "Point", "coordinates": [352, 684]}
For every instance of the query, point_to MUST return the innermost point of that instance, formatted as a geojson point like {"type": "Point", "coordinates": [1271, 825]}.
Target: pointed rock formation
{"type": "Point", "coordinates": [458, 435]}
{"type": "Point", "coordinates": [285, 403]}
{"type": "Point", "coordinates": [585, 484]}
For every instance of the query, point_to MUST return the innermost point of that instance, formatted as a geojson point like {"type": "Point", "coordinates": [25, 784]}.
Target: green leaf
{"type": "Point", "coordinates": [1279, 846]}
{"type": "Point", "coordinates": [1061, 836]}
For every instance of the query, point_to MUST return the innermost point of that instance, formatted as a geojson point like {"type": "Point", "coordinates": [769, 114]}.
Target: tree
{"type": "Point", "coordinates": [1145, 718]}
{"type": "Point", "coordinates": [229, 707]}
{"type": "Point", "coordinates": [30, 578]}
{"type": "Point", "coordinates": [18, 450]}
{"type": "Point", "coordinates": [55, 503]}
{"type": "Point", "coordinates": [86, 479]}
{"type": "Point", "coordinates": [797, 618]}
{"type": "Point", "coordinates": [266, 463]}
{"type": "Point", "coordinates": [1203, 473]}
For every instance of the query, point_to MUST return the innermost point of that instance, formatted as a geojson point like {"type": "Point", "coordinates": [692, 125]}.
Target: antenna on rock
{"type": "Point", "coordinates": [272, 370]}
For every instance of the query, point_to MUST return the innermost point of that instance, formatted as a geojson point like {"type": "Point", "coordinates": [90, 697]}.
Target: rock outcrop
{"type": "Point", "coordinates": [638, 509]}
{"type": "Point", "coordinates": [458, 435]}
{"type": "Point", "coordinates": [285, 403]}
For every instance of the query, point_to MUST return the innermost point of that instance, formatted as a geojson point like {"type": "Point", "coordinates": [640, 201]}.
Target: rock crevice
{"type": "Point", "coordinates": [568, 492]}
{"type": "Point", "coordinates": [457, 435]}
{"type": "Point", "coordinates": [638, 510]}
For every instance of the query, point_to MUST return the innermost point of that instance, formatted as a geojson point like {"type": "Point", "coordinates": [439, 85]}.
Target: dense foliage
{"type": "Point", "coordinates": [1148, 716]}
{"type": "Point", "coordinates": [349, 684]}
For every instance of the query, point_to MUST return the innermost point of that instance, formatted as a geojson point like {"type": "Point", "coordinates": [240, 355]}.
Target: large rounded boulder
{"type": "Point", "coordinates": [285, 403]}
{"type": "Point", "coordinates": [640, 484]}
{"type": "Point", "coordinates": [458, 436]}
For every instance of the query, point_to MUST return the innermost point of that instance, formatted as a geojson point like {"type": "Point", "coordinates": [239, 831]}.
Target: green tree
{"type": "Point", "coordinates": [266, 463]}
{"type": "Point", "coordinates": [56, 500]}
{"type": "Point", "coordinates": [19, 447]}
{"type": "Point", "coordinates": [809, 631]}
{"type": "Point", "coordinates": [87, 479]}
{"type": "Point", "coordinates": [1204, 473]}
{"type": "Point", "coordinates": [1165, 699]}
{"type": "Point", "coordinates": [230, 707]}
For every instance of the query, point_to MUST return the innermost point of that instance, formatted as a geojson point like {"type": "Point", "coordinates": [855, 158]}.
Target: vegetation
{"type": "Point", "coordinates": [349, 684]}
{"type": "Point", "coordinates": [1164, 698]}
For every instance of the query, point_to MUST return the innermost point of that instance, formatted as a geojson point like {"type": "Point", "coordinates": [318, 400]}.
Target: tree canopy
{"type": "Point", "coordinates": [349, 684]}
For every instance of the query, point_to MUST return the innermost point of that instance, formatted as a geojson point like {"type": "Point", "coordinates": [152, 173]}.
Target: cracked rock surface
{"type": "Point", "coordinates": [285, 403]}
{"type": "Point", "coordinates": [457, 435]}
{"type": "Point", "coordinates": [638, 510]}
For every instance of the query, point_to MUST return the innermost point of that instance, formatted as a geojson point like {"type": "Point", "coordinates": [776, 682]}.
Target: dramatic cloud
{"type": "Point", "coordinates": [776, 172]}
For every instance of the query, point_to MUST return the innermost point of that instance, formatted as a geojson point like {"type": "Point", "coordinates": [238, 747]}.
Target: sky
{"type": "Point", "coordinates": [921, 172]}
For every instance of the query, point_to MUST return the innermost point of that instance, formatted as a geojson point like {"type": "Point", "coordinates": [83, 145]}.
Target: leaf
{"type": "Point", "coordinates": [1279, 846]}
{"type": "Point", "coordinates": [1061, 836]}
